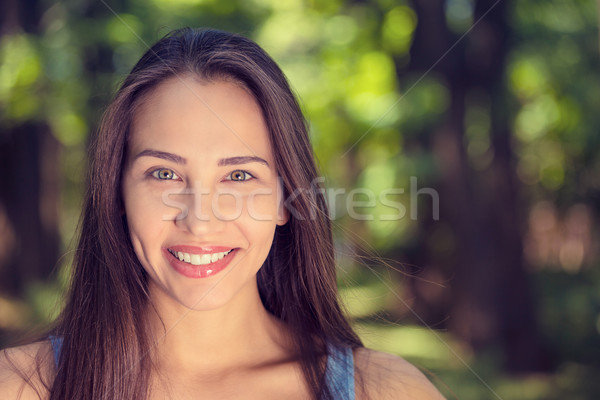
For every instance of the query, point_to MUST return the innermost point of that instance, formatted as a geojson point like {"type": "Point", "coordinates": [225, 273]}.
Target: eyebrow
{"type": "Point", "coordinates": [241, 160]}
{"type": "Point", "coordinates": [161, 154]}
{"type": "Point", "coordinates": [181, 160]}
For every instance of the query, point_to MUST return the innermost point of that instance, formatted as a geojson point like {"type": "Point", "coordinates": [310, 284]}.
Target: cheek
{"type": "Point", "coordinates": [260, 220]}
{"type": "Point", "coordinates": [147, 203]}
{"type": "Point", "coordinates": [140, 211]}
{"type": "Point", "coordinates": [260, 236]}
{"type": "Point", "coordinates": [146, 217]}
{"type": "Point", "coordinates": [259, 205]}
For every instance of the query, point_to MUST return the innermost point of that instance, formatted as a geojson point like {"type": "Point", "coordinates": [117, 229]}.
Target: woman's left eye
{"type": "Point", "coordinates": [164, 174]}
{"type": "Point", "coordinates": [240, 175]}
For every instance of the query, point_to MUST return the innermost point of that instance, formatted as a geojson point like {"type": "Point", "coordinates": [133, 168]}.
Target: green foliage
{"type": "Point", "coordinates": [20, 70]}
{"type": "Point", "coordinates": [550, 74]}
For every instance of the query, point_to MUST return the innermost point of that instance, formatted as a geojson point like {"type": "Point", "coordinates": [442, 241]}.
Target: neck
{"type": "Point", "coordinates": [235, 335]}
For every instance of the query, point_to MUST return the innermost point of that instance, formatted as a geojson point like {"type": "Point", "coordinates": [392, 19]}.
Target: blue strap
{"type": "Point", "coordinates": [56, 343]}
{"type": "Point", "coordinates": [339, 374]}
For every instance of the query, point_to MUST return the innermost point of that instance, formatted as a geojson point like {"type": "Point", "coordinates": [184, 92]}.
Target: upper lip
{"type": "Point", "coordinates": [199, 250]}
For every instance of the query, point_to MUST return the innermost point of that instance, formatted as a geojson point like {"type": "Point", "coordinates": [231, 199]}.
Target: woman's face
{"type": "Point", "coordinates": [200, 191]}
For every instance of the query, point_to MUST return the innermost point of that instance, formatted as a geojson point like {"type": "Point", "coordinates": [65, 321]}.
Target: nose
{"type": "Point", "coordinates": [207, 211]}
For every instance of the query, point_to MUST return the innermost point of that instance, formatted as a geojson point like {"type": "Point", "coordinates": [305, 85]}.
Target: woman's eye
{"type": "Point", "coordinates": [164, 174]}
{"type": "Point", "coordinates": [240, 175]}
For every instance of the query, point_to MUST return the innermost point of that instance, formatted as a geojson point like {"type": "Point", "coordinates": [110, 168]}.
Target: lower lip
{"type": "Point", "coordinates": [199, 271]}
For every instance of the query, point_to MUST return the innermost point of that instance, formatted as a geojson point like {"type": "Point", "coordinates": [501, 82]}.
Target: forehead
{"type": "Point", "coordinates": [202, 120]}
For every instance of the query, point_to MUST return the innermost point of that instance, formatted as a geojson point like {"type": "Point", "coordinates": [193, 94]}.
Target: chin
{"type": "Point", "coordinates": [216, 295]}
{"type": "Point", "coordinates": [208, 302]}
{"type": "Point", "coordinates": [193, 299]}
{"type": "Point", "coordinates": [227, 288]}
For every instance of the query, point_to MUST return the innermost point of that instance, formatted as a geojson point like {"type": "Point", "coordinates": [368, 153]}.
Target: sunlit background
{"type": "Point", "coordinates": [485, 111]}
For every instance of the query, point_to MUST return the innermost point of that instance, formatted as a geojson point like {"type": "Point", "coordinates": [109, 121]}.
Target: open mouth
{"type": "Point", "coordinates": [199, 259]}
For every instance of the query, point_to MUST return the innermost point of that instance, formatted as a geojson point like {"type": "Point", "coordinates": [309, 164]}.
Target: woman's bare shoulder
{"type": "Point", "coordinates": [24, 369]}
{"type": "Point", "coordinates": [385, 376]}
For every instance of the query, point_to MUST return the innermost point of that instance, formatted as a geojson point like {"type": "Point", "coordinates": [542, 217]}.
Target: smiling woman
{"type": "Point", "coordinates": [203, 132]}
{"type": "Point", "coordinates": [205, 264]}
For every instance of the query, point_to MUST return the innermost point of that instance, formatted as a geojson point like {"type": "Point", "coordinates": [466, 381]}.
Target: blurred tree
{"type": "Point", "coordinates": [492, 303]}
{"type": "Point", "coordinates": [29, 155]}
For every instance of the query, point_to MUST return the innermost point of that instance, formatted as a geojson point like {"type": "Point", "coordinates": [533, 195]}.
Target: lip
{"type": "Point", "coordinates": [199, 271]}
{"type": "Point", "coordinates": [199, 250]}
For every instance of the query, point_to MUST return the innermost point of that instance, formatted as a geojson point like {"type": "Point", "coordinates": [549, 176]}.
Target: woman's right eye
{"type": "Point", "coordinates": [164, 174]}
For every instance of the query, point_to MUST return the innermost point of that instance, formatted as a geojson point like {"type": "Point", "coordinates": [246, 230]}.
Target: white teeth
{"type": "Point", "coordinates": [195, 259]}
{"type": "Point", "coordinates": [199, 259]}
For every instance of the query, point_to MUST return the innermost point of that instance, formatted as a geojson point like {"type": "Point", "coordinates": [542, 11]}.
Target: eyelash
{"type": "Point", "coordinates": [156, 174]}
{"type": "Point", "coordinates": [246, 174]}
{"type": "Point", "coordinates": [157, 171]}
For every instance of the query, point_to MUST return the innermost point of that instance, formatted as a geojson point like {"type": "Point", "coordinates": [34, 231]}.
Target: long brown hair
{"type": "Point", "coordinates": [103, 324]}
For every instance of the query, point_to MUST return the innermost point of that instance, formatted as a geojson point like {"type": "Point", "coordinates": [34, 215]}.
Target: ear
{"type": "Point", "coordinates": [283, 214]}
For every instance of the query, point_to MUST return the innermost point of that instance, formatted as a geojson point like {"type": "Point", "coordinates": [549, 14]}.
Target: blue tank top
{"type": "Point", "coordinates": [339, 373]}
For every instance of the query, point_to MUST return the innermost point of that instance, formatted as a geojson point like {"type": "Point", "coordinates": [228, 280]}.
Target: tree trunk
{"type": "Point", "coordinates": [29, 198]}
{"type": "Point", "coordinates": [29, 190]}
{"type": "Point", "coordinates": [492, 305]}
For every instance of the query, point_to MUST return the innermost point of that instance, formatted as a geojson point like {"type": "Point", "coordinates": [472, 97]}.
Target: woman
{"type": "Point", "coordinates": [205, 264]}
